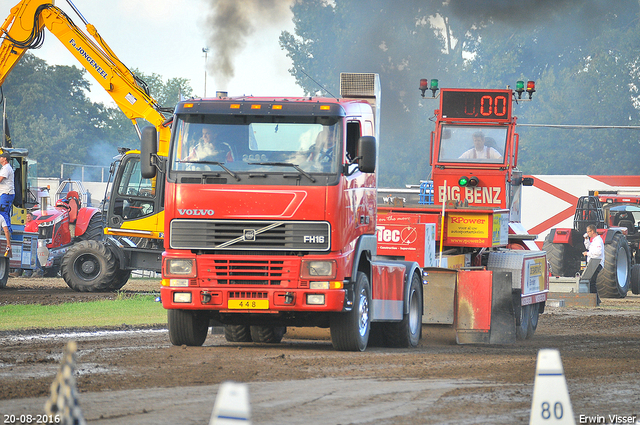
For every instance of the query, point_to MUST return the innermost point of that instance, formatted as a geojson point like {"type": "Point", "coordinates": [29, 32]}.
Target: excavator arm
{"type": "Point", "coordinates": [24, 29]}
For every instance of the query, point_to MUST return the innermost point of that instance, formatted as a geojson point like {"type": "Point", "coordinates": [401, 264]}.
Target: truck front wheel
{"type": "Point", "coordinates": [187, 327]}
{"type": "Point", "coordinates": [407, 332]}
{"type": "Point", "coordinates": [350, 330]}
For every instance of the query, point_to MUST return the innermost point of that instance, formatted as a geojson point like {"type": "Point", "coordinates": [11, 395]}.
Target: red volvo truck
{"type": "Point", "coordinates": [270, 221]}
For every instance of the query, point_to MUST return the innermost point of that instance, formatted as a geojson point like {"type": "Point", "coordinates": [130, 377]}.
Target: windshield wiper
{"type": "Point", "coordinates": [286, 164]}
{"type": "Point", "coordinates": [220, 164]}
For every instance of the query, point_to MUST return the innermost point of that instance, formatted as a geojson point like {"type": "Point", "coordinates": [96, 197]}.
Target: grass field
{"type": "Point", "coordinates": [132, 310]}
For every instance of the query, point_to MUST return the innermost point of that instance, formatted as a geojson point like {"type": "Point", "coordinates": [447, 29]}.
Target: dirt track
{"type": "Point", "coordinates": [136, 376]}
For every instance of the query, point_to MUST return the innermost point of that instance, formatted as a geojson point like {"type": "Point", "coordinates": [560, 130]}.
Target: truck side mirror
{"type": "Point", "coordinates": [367, 154]}
{"type": "Point", "coordinates": [148, 149]}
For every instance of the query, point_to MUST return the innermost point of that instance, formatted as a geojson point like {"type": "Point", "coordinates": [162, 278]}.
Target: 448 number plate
{"type": "Point", "coordinates": [248, 304]}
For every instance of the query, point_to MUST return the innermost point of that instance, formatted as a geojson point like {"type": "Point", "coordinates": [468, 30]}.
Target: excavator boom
{"type": "Point", "coordinates": [23, 30]}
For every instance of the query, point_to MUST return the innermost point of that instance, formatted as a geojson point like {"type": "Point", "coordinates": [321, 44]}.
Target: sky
{"type": "Point", "coordinates": [167, 37]}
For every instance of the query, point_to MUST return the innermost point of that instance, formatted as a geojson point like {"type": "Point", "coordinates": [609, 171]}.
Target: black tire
{"type": "Point", "coordinates": [533, 320]}
{"type": "Point", "coordinates": [613, 279]}
{"type": "Point", "coordinates": [4, 272]}
{"type": "Point", "coordinates": [525, 319]}
{"type": "Point", "coordinates": [268, 334]}
{"type": "Point", "coordinates": [89, 266]}
{"type": "Point", "coordinates": [121, 278]}
{"type": "Point", "coordinates": [187, 327]}
{"type": "Point", "coordinates": [95, 229]}
{"type": "Point", "coordinates": [237, 333]}
{"type": "Point", "coordinates": [407, 332]}
{"type": "Point", "coordinates": [563, 259]}
{"type": "Point", "coordinates": [350, 330]}
{"type": "Point", "coordinates": [634, 281]}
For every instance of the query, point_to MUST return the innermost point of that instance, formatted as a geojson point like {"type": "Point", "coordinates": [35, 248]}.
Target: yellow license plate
{"type": "Point", "coordinates": [249, 304]}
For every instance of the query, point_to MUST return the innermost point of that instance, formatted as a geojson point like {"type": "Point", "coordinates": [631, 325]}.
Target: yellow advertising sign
{"type": "Point", "coordinates": [534, 275]}
{"type": "Point", "coordinates": [468, 226]}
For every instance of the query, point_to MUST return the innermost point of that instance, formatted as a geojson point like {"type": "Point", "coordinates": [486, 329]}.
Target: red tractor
{"type": "Point", "coordinates": [61, 226]}
{"type": "Point", "coordinates": [616, 217]}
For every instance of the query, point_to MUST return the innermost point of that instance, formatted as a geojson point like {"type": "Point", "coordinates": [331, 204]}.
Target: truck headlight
{"type": "Point", "coordinates": [316, 268]}
{"type": "Point", "coordinates": [180, 267]}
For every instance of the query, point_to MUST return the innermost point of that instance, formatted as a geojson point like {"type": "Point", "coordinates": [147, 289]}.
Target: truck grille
{"type": "Point", "coordinates": [249, 271]}
{"type": "Point", "coordinates": [249, 235]}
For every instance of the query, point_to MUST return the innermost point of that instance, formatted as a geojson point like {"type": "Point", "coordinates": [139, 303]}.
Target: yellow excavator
{"type": "Point", "coordinates": [133, 232]}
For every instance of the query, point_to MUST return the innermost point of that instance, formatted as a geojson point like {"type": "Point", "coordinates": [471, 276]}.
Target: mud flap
{"type": "Point", "coordinates": [503, 318]}
{"type": "Point", "coordinates": [485, 308]}
{"type": "Point", "coordinates": [439, 291]}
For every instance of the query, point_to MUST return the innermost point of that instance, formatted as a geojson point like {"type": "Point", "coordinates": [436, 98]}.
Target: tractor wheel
{"type": "Point", "coordinates": [350, 330]}
{"type": "Point", "coordinates": [237, 333]}
{"type": "Point", "coordinates": [121, 278]}
{"type": "Point", "coordinates": [268, 334]}
{"type": "Point", "coordinates": [89, 266]}
{"type": "Point", "coordinates": [407, 332]}
{"type": "Point", "coordinates": [563, 261]}
{"type": "Point", "coordinates": [634, 282]}
{"type": "Point", "coordinates": [95, 229]}
{"type": "Point", "coordinates": [187, 327]}
{"type": "Point", "coordinates": [613, 279]}
{"type": "Point", "coordinates": [4, 272]}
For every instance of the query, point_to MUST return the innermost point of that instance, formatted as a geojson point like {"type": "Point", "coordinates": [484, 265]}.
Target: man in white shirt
{"type": "Point", "coordinates": [479, 150]}
{"type": "Point", "coordinates": [7, 191]}
{"type": "Point", "coordinates": [595, 251]}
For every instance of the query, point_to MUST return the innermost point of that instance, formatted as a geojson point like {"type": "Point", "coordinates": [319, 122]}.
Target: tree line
{"type": "Point", "coordinates": [583, 54]}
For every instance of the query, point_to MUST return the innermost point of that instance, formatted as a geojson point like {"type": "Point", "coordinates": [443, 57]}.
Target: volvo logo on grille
{"type": "Point", "coordinates": [195, 212]}
{"type": "Point", "coordinates": [249, 235]}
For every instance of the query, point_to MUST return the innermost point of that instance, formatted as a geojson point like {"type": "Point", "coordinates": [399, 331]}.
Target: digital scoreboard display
{"type": "Point", "coordinates": [492, 105]}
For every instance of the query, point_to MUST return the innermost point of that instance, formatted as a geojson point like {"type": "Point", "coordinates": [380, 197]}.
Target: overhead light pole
{"type": "Point", "coordinates": [205, 50]}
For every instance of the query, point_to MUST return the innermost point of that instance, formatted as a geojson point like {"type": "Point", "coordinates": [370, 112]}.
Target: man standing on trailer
{"type": "Point", "coordinates": [595, 251]}
{"type": "Point", "coordinates": [7, 191]}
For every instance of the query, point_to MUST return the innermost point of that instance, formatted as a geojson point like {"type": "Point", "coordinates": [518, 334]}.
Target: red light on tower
{"type": "Point", "coordinates": [531, 88]}
{"type": "Point", "coordinates": [424, 85]}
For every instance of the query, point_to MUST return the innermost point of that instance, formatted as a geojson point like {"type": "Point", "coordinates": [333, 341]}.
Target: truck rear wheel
{"type": "Point", "coordinates": [613, 279]}
{"type": "Point", "coordinates": [407, 332]}
{"type": "Point", "coordinates": [4, 272]}
{"type": "Point", "coordinates": [187, 327]}
{"type": "Point", "coordinates": [350, 330]}
{"type": "Point", "coordinates": [237, 333]}
{"type": "Point", "coordinates": [89, 266]}
{"type": "Point", "coordinates": [564, 262]}
{"type": "Point", "coordinates": [268, 334]}
{"type": "Point", "coordinates": [522, 330]}
{"type": "Point", "coordinates": [634, 281]}
{"type": "Point", "coordinates": [533, 320]}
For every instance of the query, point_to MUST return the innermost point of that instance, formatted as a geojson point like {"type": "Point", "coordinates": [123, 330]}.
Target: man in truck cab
{"type": "Point", "coordinates": [480, 150]}
{"type": "Point", "coordinates": [7, 192]}
{"type": "Point", "coordinates": [210, 148]}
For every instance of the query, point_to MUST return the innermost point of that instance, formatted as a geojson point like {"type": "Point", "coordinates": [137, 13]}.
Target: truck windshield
{"type": "Point", "coordinates": [270, 147]}
{"type": "Point", "coordinates": [481, 144]}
